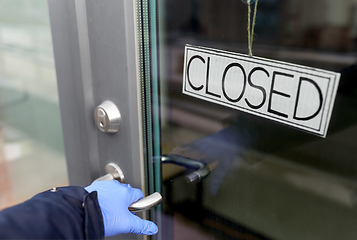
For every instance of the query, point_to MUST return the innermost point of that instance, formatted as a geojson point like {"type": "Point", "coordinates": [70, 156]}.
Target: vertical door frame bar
{"type": "Point", "coordinates": [96, 58]}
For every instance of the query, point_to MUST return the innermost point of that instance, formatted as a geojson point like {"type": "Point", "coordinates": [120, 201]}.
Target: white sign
{"type": "Point", "coordinates": [295, 95]}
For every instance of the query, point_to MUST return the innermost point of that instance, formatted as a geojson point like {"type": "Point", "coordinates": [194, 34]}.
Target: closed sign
{"type": "Point", "coordinates": [295, 95]}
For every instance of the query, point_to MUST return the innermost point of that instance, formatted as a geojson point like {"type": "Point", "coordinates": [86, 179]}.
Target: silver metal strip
{"type": "Point", "coordinates": [86, 71]}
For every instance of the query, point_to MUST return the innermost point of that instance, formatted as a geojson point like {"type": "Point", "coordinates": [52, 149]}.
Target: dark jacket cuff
{"type": "Point", "coordinates": [93, 219]}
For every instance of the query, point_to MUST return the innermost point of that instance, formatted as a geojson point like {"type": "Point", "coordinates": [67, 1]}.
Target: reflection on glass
{"type": "Point", "coordinates": [267, 181]}
{"type": "Point", "coordinates": [31, 148]}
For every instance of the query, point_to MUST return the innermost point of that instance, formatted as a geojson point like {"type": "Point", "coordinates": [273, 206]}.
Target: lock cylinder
{"type": "Point", "coordinates": [107, 117]}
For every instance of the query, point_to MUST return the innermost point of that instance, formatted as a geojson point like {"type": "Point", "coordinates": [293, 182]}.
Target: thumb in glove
{"type": "Point", "coordinates": [114, 198]}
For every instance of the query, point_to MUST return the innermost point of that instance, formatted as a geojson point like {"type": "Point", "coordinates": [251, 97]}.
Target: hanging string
{"type": "Point", "coordinates": [251, 26]}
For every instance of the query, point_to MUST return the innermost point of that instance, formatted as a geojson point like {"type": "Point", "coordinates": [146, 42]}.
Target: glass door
{"type": "Point", "coordinates": [254, 178]}
{"type": "Point", "coordinates": [223, 173]}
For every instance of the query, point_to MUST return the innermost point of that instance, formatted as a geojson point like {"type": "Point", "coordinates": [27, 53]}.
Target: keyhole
{"type": "Point", "coordinates": [101, 124]}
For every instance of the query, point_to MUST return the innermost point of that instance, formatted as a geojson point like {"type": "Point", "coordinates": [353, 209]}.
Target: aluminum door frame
{"type": "Point", "coordinates": [96, 59]}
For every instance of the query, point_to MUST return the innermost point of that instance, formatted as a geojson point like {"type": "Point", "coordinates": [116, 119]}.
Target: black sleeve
{"type": "Point", "coordinates": [66, 213]}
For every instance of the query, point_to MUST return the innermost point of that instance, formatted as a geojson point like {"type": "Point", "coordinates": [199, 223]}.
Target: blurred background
{"type": "Point", "coordinates": [31, 146]}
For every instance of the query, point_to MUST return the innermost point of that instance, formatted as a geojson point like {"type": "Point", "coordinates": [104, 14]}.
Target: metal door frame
{"type": "Point", "coordinates": [96, 60]}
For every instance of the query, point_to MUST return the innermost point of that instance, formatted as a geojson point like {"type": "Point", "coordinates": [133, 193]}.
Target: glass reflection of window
{"type": "Point", "coordinates": [250, 157]}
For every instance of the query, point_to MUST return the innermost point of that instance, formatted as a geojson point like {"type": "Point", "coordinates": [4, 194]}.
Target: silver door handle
{"type": "Point", "coordinates": [200, 170]}
{"type": "Point", "coordinates": [115, 173]}
{"type": "Point", "coordinates": [146, 203]}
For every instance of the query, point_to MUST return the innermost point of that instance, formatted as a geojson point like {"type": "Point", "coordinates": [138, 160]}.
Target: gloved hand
{"type": "Point", "coordinates": [114, 199]}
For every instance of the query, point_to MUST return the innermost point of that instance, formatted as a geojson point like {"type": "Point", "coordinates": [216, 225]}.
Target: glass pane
{"type": "Point", "coordinates": [267, 180]}
{"type": "Point", "coordinates": [31, 148]}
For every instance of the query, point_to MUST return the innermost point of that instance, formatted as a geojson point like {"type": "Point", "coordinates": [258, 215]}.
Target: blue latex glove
{"type": "Point", "coordinates": [114, 199]}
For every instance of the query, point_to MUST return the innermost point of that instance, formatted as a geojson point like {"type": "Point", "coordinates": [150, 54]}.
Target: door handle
{"type": "Point", "coordinates": [201, 170]}
{"type": "Point", "coordinates": [115, 173]}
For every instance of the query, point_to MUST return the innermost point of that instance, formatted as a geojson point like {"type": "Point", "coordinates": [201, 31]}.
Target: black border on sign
{"type": "Point", "coordinates": [241, 57]}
